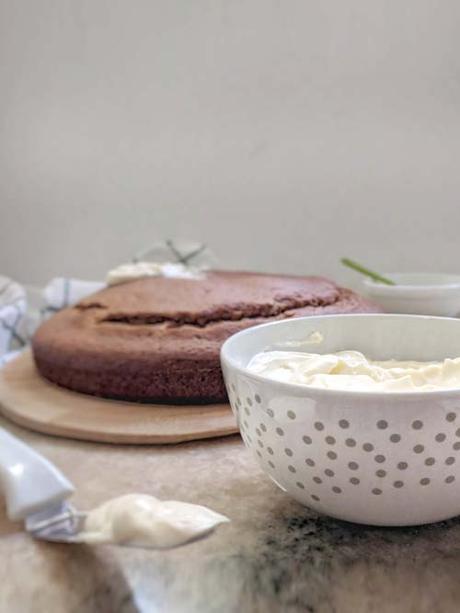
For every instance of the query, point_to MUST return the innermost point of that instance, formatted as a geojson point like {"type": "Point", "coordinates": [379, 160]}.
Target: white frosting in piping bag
{"type": "Point", "coordinates": [139, 519]}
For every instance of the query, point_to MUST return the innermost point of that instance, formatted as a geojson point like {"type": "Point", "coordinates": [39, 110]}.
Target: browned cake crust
{"type": "Point", "coordinates": [158, 339]}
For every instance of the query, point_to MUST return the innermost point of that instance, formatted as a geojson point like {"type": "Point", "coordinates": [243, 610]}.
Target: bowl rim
{"type": "Point", "coordinates": [306, 390]}
{"type": "Point", "coordinates": [448, 285]}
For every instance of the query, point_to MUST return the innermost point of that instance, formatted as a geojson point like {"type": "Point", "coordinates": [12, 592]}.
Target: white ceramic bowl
{"type": "Point", "coordinates": [390, 459]}
{"type": "Point", "coordinates": [417, 293]}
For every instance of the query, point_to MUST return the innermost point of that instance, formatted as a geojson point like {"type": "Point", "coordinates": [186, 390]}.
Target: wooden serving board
{"type": "Point", "coordinates": [29, 400]}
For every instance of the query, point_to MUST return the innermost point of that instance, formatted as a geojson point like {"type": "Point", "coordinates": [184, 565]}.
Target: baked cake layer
{"type": "Point", "coordinates": [158, 339]}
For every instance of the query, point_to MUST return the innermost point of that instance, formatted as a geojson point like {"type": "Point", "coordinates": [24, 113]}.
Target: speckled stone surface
{"type": "Point", "coordinates": [275, 555]}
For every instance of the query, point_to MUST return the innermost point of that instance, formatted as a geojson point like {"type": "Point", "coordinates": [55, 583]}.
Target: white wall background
{"type": "Point", "coordinates": [285, 134]}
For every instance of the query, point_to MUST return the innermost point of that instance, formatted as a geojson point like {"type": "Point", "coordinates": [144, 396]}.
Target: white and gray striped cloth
{"type": "Point", "coordinates": [23, 308]}
{"type": "Point", "coordinates": [13, 325]}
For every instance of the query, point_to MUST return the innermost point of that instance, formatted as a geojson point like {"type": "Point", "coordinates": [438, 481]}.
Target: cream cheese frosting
{"type": "Point", "coordinates": [145, 521]}
{"type": "Point", "coordinates": [139, 270]}
{"type": "Point", "coordinates": [352, 370]}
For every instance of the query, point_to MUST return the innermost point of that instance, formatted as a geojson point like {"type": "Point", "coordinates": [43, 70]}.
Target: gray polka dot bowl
{"type": "Point", "coordinates": [381, 458]}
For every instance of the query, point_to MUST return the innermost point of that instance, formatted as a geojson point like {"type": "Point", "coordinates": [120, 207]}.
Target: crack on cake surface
{"type": "Point", "coordinates": [86, 306]}
{"type": "Point", "coordinates": [224, 314]}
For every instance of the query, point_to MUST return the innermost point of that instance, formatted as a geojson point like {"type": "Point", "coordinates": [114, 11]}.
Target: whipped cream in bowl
{"type": "Point", "coordinates": [364, 424]}
{"type": "Point", "coordinates": [352, 370]}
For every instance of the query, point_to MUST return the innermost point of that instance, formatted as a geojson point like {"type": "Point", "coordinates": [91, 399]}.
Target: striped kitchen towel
{"type": "Point", "coordinates": [13, 321]}
{"type": "Point", "coordinates": [22, 309]}
{"type": "Point", "coordinates": [19, 318]}
{"type": "Point", "coordinates": [62, 292]}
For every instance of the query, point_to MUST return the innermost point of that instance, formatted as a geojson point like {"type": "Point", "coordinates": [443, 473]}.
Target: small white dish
{"type": "Point", "coordinates": [417, 293]}
{"type": "Point", "coordinates": [381, 458]}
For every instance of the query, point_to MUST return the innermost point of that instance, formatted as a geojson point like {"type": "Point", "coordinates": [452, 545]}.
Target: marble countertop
{"type": "Point", "coordinates": [275, 555]}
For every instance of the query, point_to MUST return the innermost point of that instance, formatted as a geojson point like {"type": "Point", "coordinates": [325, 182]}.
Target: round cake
{"type": "Point", "coordinates": [158, 339]}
